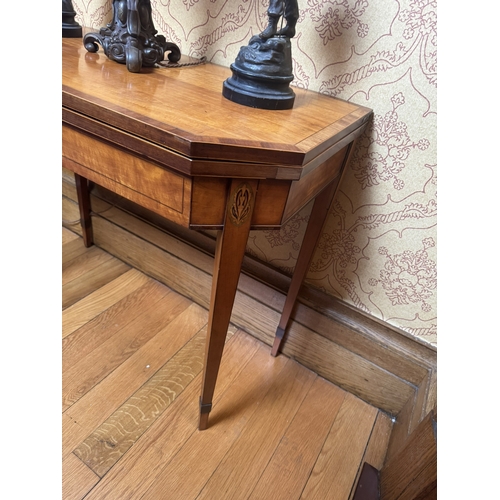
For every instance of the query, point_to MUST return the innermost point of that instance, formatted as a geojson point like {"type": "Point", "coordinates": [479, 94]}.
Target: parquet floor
{"type": "Point", "coordinates": [132, 360]}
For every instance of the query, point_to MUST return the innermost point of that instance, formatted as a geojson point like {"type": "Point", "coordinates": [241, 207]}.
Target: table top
{"type": "Point", "coordinates": [182, 110]}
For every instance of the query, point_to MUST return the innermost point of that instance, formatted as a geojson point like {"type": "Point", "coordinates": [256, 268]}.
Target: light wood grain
{"type": "Point", "coordinates": [137, 471]}
{"type": "Point", "coordinates": [379, 440]}
{"type": "Point", "coordinates": [90, 370]}
{"type": "Point", "coordinates": [71, 218]}
{"type": "Point", "coordinates": [349, 370]}
{"type": "Point", "coordinates": [75, 247]}
{"type": "Point", "coordinates": [151, 260]}
{"type": "Point", "coordinates": [337, 465]}
{"type": "Point", "coordinates": [311, 184]}
{"type": "Point", "coordinates": [77, 478]}
{"type": "Point", "coordinates": [68, 236]}
{"type": "Point", "coordinates": [89, 260]}
{"type": "Point", "coordinates": [231, 416]}
{"type": "Point", "coordinates": [259, 439]}
{"type": "Point", "coordinates": [354, 361]}
{"type": "Point", "coordinates": [376, 448]}
{"type": "Point", "coordinates": [110, 441]}
{"type": "Point", "coordinates": [89, 282]}
{"type": "Point", "coordinates": [273, 409]}
{"type": "Point", "coordinates": [203, 128]}
{"type": "Point", "coordinates": [98, 404]}
{"type": "Point", "coordinates": [166, 146]}
{"type": "Point", "coordinates": [395, 353]}
{"type": "Point", "coordinates": [162, 239]}
{"type": "Point", "coordinates": [209, 201]}
{"type": "Point", "coordinates": [290, 467]}
{"type": "Point", "coordinates": [102, 327]}
{"type": "Point", "coordinates": [99, 301]}
{"type": "Point", "coordinates": [140, 181]}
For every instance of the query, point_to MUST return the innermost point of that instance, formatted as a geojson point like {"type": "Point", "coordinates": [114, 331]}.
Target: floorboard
{"type": "Point", "coordinates": [102, 299]}
{"type": "Point", "coordinates": [78, 479]}
{"type": "Point", "coordinates": [132, 361]}
{"type": "Point", "coordinates": [92, 280]}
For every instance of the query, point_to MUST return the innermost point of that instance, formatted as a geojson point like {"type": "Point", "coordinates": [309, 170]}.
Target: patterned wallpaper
{"type": "Point", "coordinates": [378, 248]}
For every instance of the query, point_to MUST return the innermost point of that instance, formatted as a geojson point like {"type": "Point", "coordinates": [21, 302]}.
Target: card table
{"type": "Point", "coordinates": [167, 139]}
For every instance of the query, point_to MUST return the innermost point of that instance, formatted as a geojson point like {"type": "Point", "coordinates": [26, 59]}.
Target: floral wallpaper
{"type": "Point", "coordinates": [378, 247]}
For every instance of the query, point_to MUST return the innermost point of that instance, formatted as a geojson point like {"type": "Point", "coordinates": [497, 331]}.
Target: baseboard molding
{"type": "Point", "coordinates": [364, 356]}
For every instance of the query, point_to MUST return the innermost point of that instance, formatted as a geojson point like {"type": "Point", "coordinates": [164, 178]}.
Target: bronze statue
{"type": "Point", "coordinates": [262, 71]}
{"type": "Point", "coordinates": [70, 28]}
{"type": "Point", "coordinates": [289, 10]}
{"type": "Point", "coordinates": [67, 6]}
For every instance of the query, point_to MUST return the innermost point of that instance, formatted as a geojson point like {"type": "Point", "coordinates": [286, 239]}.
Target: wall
{"type": "Point", "coordinates": [378, 248]}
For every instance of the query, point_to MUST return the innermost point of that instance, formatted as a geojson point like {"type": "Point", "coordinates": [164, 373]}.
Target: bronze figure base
{"type": "Point", "coordinates": [262, 73]}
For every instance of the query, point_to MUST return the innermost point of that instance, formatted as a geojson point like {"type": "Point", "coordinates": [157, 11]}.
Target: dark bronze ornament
{"type": "Point", "coordinates": [131, 37]}
{"type": "Point", "coordinates": [262, 71]}
{"type": "Point", "coordinates": [70, 28]}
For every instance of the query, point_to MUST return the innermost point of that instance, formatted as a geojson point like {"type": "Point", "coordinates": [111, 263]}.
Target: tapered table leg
{"type": "Point", "coordinates": [316, 221]}
{"type": "Point", "coordinates": [83, 195]}
{"type": "Point", "coordinates": [230, 249]}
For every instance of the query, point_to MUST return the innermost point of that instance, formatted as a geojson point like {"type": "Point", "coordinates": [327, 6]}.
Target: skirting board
{"type": "Point", "coordinates": [369, 358]}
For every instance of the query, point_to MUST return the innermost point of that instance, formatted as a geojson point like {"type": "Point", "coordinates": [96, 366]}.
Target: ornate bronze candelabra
{"type": "Point", "coordinates": [131, 37]}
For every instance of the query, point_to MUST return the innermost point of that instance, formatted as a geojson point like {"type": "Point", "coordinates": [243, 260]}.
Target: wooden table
{"type": "Point", "coordinates": [168, 140]}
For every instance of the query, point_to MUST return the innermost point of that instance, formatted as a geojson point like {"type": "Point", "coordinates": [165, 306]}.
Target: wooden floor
{"type": "Point", "coordinates": [132, 361]}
